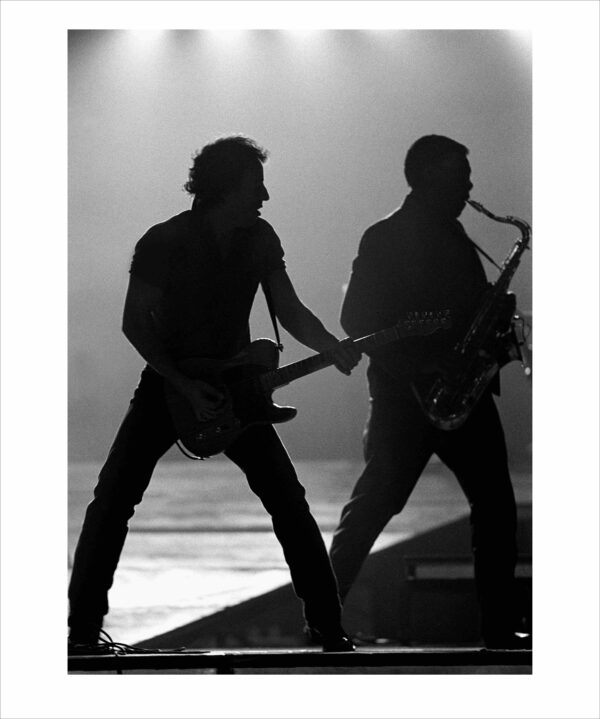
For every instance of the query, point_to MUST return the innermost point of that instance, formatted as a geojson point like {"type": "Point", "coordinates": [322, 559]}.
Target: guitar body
{"type": "Point", "coordinates": [248, 402]}
{"type": "Point", "coordinates": [249, 379]}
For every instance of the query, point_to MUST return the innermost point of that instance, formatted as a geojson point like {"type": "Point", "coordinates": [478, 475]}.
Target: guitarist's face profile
{"type": "Point", "coordinates": [243, 204]}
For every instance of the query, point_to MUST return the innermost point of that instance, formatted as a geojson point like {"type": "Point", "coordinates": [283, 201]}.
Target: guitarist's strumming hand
{"type": "Point", "coordinates": [206, 400]}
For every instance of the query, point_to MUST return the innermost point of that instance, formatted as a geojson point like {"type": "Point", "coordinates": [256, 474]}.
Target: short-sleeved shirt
{"type": "Point", "coordinates": [413, 261]}
{"type": "Point", "coordinates": [206, 302]}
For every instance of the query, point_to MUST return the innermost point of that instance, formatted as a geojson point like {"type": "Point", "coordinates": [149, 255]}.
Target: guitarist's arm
{"type": "Point", "coordinates": [305, 326]}
{"type": "Point", "coordinates": [139, 327]}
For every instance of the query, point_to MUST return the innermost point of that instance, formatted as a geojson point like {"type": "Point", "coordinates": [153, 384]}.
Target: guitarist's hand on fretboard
{"type": "Point", "coordinates": [345, 356]}
{"type": "Point", "coordinates": [241, 387]}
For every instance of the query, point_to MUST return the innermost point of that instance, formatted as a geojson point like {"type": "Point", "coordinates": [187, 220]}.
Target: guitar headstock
{"type": "Point", "coordinates": [425, 323]}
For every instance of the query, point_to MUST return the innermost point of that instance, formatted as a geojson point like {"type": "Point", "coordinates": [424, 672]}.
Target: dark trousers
{"type": "Point", "coordinates": [399, 441]}
{"type": "Point", "coordinates": [144, 436]}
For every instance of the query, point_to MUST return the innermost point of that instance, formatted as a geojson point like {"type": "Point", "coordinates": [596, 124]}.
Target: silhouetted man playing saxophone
{"type": "Point", "coordinates": [420, 258]}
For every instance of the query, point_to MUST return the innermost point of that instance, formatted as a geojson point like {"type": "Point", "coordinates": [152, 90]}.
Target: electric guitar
{"type": "Point", "coordinates": [249, 379]}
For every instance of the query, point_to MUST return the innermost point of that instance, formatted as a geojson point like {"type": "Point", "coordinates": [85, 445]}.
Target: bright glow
{"type": "Point", "coordinates": [521, 34]}
{"type": "Point", "coordinates": [305, 34]}
{"type": "Point", "coordinates": [145, 39]}
{"type": "Point", "coordinates": [228, 37]}
{"type": "Point", "coordinates": [144, 44]}
{"type": "Point", "coordinates": [521, 39]}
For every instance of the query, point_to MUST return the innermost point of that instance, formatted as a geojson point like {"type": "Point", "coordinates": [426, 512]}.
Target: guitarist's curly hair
{"type": "Point", "coordinates": [219, 167]}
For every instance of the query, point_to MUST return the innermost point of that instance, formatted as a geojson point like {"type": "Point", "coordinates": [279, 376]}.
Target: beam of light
{"type": "Point", "coordinates": [144, 43]}
{"type": "Point", "coordinates": [304, 35]}
{"type": "Point", "coordinates": [145, 38]}
{"type": "Point", "coordinates": [227, 37]}
{"type": "Point", "coordinates": [521, 34]}
{"type": "Point", "coordinates": [521, 39]}
{"type": "Point", "coordinates": [226, 42]}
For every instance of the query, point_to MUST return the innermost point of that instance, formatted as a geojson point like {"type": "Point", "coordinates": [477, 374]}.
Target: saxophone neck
{"type": "Point", "coordinates": [524, 227]}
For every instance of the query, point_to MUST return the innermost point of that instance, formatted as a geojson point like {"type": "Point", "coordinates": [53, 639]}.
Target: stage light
{"type": "Point", "coordinates": [145, 38]}
{"type": "Point", "coordinates": [522, 34]}
{"type": "Point", "coordinates": [227, 37]}
{"type": "Point", "coordinates": [521, 39]}
{"type": "Point", "coordinates": [305, 35]}
{"type": "Point", "coordinates": [144, 45]}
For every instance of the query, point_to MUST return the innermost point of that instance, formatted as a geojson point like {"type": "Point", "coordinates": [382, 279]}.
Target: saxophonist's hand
{"type": "Point", "coordinates": [508, 349]}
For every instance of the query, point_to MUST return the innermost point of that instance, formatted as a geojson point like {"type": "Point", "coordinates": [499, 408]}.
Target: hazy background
{"type": "Point", "coordinates": [34, 134]}
{"type": "Point", "coordinates": [337, 110]}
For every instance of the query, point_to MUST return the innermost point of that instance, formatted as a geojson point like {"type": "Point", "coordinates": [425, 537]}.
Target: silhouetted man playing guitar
{"type": "Point", "coordinates": [193, 280]}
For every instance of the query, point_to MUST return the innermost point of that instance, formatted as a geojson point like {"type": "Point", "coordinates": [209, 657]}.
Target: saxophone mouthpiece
{"type": "Point", "coordinates": [525, 227]}
{"type": "Point", "coordinates": [475, 205]}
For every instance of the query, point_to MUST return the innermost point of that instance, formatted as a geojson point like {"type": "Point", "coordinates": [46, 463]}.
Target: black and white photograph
{"type": "Point", "coordinates": [276, 282]}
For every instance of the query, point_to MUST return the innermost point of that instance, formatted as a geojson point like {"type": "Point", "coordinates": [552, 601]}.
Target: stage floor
{"type": "Point", "coordinates": [201, 541]}
{"type": "Point", "coordinates": [388, 660]}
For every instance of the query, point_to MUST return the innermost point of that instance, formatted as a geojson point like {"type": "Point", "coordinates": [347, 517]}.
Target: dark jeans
{"type": "Point", "coordinates": [399, 441]}
{"type": "Point", "coordinates": [144, 436]}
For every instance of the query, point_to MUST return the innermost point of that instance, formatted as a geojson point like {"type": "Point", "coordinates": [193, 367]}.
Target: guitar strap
{"type": "Point", "coordinates": [269, 298]}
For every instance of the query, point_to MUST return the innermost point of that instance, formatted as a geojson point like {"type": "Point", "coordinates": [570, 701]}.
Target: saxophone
{"type": "Point", "coordinates": [489, 343]}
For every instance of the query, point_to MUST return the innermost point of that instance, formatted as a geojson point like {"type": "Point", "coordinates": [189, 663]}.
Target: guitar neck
{"type": "Point", "coordinates": [288, 373]}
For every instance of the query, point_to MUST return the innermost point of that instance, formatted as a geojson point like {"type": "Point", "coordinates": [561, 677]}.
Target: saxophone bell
{"type": "Point", "coordinates": [487, 344]}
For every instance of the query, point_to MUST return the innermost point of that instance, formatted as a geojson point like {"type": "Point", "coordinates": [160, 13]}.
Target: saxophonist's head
{"type": "Point", "coordinates": [439, 173]}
